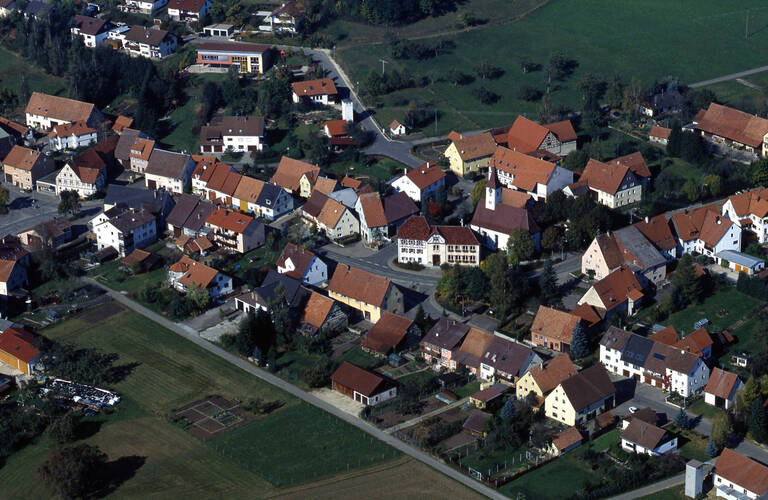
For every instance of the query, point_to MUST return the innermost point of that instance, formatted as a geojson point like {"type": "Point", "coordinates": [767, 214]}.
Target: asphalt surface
{"type": "Point", "coordinates": [193, 337]}
{"type": "Point", "coordinates": [725, 78]}
{"type": "Point", "coordinates": [29, 209]}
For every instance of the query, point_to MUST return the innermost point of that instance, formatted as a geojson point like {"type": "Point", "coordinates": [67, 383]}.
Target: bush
{"type": "Point", "coordinates": [485, 96]}
{"type": "Point", "coordinates": [413, 266]}
{"type": "Point", "coordinates": [527, 93]}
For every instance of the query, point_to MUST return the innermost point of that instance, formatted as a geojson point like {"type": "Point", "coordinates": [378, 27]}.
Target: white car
{"type": "Point", "coordinates": [632, 409]}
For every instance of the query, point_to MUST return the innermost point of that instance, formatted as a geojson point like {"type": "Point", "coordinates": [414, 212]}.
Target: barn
{"type": "Point", "coordinates": [362, 385]}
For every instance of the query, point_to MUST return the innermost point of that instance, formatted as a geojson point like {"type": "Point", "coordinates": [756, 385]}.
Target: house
{"type": "Point", "coordinates": [368, 293]}
{"type": "Point", "coordinates": [168, 170]}
{"type": "Point", "coordinates": [152, 43]}
{"type": "Point", "coordinates": [159, 203]}
{"type": "Point", "coordinates": [274, 287]}
{"type": "Point", "coordinates": [187, 273]}
{"type": "Point", "coordinates": [644, 438]}
{"type": "Point", "coordinates": [321, 314]}
{"type": "Point", "coordinates": [12, 133]}
{"type": "Point", "coordinates": [44, 111]}
{"type": "Point", "coordinates": [661, 103]}
{"type": "Point", "coordinates": [730, 128]}
{"type": "Point", "coordinates": [618, 293]}
{"type": "Point", "coordinates": [48, 234]}
{"type": "Point", "coordinates": [657, 230]}
{"type": "Point", "coordinates": [698, 342]}
{"type": "Point", "coordinates": [652, 362]}
{"type": "Point", "coordinates": [72, 136]}
{"type": "Point", "coordinates": [565, 441]}
{"type": "Point", "coordinates": [738, 477]}
{"type": "Point", "coordinates": [498, 214]}
{"type": "Point", "coordinates": [590, 317]}
{"type": "Point", "coordinates": [470, 154]}
{"type": "Point", "coordinates": [262, 199]}
{"type": "Point", "coordinates": [301, 264]}
{"type": "Point", "coordinates": [92, 31]}
{"type": "Point", "coordinates": [542, 379]}
{"type": "Point", "coordinates": [380, 217]}
{"type": "Point", "coordinates": [18, 351]}
{"type": "Point", "coordinates": [494, 358]}
{"type": "Point", "coordinates": [705, 231]}
{"type": "Point", "coordinates": [396, 128]}
{"type": "Point", "coordinates": [581, 397]}
{"type": "Point", "coordinates": [250, 58]}
{"type": "Point", "coordinates": [749, 211]}
{"type": "Point", "coordinates": [420, 242]}
{"type": "Point", "coordinates": [22, 167]}
{"type": "Point", "coordinates": [527, 136]}
{"type": "Point", "coordinates": [188, 216]}
{"type": "Point", "coordinates": [146, 7]}
{"type": "Point", "coordinates": [740, 262]}
{"type": "Point", "coordinates": [336, 128]}
{"type": "Point", "coordinates": [477, 424]}
{"type": "Point", "coordinates": [13, 275]}
{"type": "Point", "coordinates": [636, 164]}
{"type": "Point", "coordinates": [215, 180]}
{"type": "Point", "coordinates": [125, 230]}
{"type": "Point", "coordinates": [536, 177]}
{"type": "Point", "coordinates": [325, 185]}
{"type": "Point", "coordinates": [220, 30]}
{"type": "Point", "coordinates": [362, 385]}
{"type": "Point", "coordinates": [613, 185]}
{"type": "Point", "coordinates": [141, 261]}
{"type": "Point", "coordinates": [439, 344]}
{"type": "Point", "coordinates": [391, 334]}
{"type": "Point", "coordinates": [134, 149]}
{"type": "Point", "coordinates": [87, 172]}
{"type": "Point", "coordinates": [490, 397]}
{"type": "Point", "coordinates": [295, 176]}
{"type": "Point", "coordinates": [188, 10]}
{"type": "Point", "coordinates": [234, 230]}
{"type": "Point", "coordinates": [287, 18]}
{"type": "Point", "coordinates": [421, 183]}
{"type": "Point", "coordinates": [320, 91]}
{"type": "Point", "coordinates": [122, 123]}
{"type": "Point", "coordinates": [330, 216]}
{"type": "Point", "coordinates": [553, 329]}
{"type": "Point", "coordinates": [626, 246]}
{"type": "Point", "coordinates": [659, 135]}
{"type": "Point", "coordinates": [722, 388]}
{"type": "Point", "coordinates": [232, 133]}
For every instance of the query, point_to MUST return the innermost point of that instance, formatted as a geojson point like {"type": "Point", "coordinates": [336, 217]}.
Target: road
{"type": "Point", "coordinates": [22, 213]}
{"type": "Point", "coordinates": [421, 418]}
{"type": "Point", "coordinates": [193, 337]}
{"type": "Point", "coordinates": [726, 78]}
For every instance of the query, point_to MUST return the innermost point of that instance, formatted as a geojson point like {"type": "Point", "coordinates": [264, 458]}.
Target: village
{"type": "Point", "coordinates": [499, 304]}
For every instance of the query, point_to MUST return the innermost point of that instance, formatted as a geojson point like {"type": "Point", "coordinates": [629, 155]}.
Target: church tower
{"type": "Point", "coordinates": [492, 190]}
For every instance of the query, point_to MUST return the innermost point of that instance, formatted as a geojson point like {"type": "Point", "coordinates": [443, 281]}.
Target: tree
{"type": "Point", "coordinates": [682, 421]}
{"type": "Point", "coordinates": [520, 246]}
{"type": "Point", "coordinates": [614, 92]}
{"type": "Point", "coordinates": [70, 203]}
{"type": "Point", "coordinates": [713, 183]}
{"type": "Point", "coordinates": [633, 94]}
{"type": "Point", "coordinates": [508, 411]}
{"type": "Point", "coordinates": [486, 70]}
{"type": "Point", "coordinates": [549, 291]}
{"type": "Point", "coordinates": [496, 268]}
{"type": "Point", "coordinates": [691, 190]}
{"type": "Point", "coordinates": [711, 450]}
{"type": "Point", "coordinates": [64, 428]}
{"type": "Point", "coordinates": [688, 286]}
{"type": "Point", "coordinates": [559, 66]}
{"type": "Point", "coordinates": [551, 239]}
{"type": "Point", "coordinates": [200, 297]}
{"type": "Point", "coordinates": [478, 191]}
{"type": "Point", "coordinates": [70, 471]}
{"type": "Point", "coordinates": [8, 100]}
{"type": "Point", "coordinates": [579, 342]}
{"type": "Point", "coordinates": [5, 197]}
{"type": "Point", "coordinates": [576, 160]}
{"type": "Point", "coordinates": [721, 430]}
{"type": "Point", "coordinates": [675, 140]}
{"type": "Point", "coordinates": [758, 424]}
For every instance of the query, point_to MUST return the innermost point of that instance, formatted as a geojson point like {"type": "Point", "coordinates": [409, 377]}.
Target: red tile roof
{"type": "Point", "coordinates": [22, 158]}
{"type": "Point", "coordinates": [358, 284]}
{"type": "Point", "coordinates": [563, 130]}
{"type": "Point", "coordinates": [567, 438]}
{"type": "Point", "coordinates": [526, 135]}
{"type": "Point", "coordinates": [635, 162]}
{"type": "Point", "coordinates": [231, 221]}
{"type": "Point", "coordinates": [658, 232]}
{"type": "Point", "coordinates": [704, 223]}
{"type": "Point", "coordinates": [526, 170]}
{"type": "Point", "coordinates": [301, 259]}
{"type": "Point", "coordinates": [667, 336]}
{"type": "Point", "coordinates": [289, 172]}
{"type": "Point", "coordinates": [619, 285]}
{"type": "Point", "coordinates": [742, 471]}
{"type": "Point", "coordinates": [721, 383]}
{"type": "Point", "coordinates": [321, 86]}
{"type": "Point", "coordinates": [337, 128]}
{"type": "Point", "coordinates": [733, 124]}
{"type": "Point", "coordinates": [195, 273]}
{"type": "Point", "coordinates": [604, 177]}
{"type": "Point", "coordinates": [317, 309]}
{"type": "Point", "coordinates": [373, 210]}
{"type": "Point", "coordinates": [660, 132]}
{"type": "Point", "coordinates": [387, 334]}
{"type": "Point", "coordinates": [553, 372]}
{"type": "Point", "coordinates": [359, 379]}
{"type": "Point", "coordinates": [696, 342]}
{"type": "Point", "coordinates": [474, 147]}
{"type": "Point", "coordinates": [425, 175]}
{"type": "Point", "coordinates": [554, 324]}
{"type": "Point", "coordinates": [18, 343]}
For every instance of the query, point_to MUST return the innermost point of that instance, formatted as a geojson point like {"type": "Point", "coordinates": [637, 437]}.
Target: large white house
{"type": "Point", "coordinates": [705, 231]}
{"type": "Point", "coordinates": [749, 211]}
{"type": "Point", "coordinates": [421, 183]}
{"type": "Point", "coordinates": [420, 242]}
{"type": "Point", "coordinates": [302, 264]}
{"type": "Point", "coordinates": [232, 133]}
{"type": "Point", "coordinates": [538, 178]}
{"type": "Point", "coordinates": [168, 170]}
{"type": "Point", "coordinates": [187, 273]}
{"type": "Point", "coordinates": [652, 362]}
{"type": "Point", "coordinates": [124, 229]}
{"type": "Point", "coordinates": [72, 136]}
{"type": "Point", "coordinates": [44, 111]}
{"type": "Point", "coordinates": [738, 477]}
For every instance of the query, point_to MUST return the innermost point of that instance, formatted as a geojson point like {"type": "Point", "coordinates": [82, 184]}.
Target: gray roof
{"type": "Point", "coordinates": [130, 220]}
{"type": "Point", "coordinates": [446, 334]}
{"type": "Point", "coordinates": [138, 198]}
{"type": "Point", "coordinates": [346, 196]}
{"type": "Point", "coordinates": [167, 163]}
{"type": "Point", "coordinates": [739, 258]}
{"type": "Point", "coordinates": [398, 206]}
{"type": "Point", "coordinates": [190, 212]}
{"type": "Point", "coordinates": [141, 34]}
{"type": "Point", "coordinates": [268, 195]}
{"type": "Point", "coordinates": [125, 143]}
{"type": "Point", "coordinates": [646, 254]}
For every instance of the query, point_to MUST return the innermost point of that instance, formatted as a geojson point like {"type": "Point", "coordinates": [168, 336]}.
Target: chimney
{"type": "Point", "coordinates": [427, 164]}
{"type": "Point", "coordinates": [646, 219]}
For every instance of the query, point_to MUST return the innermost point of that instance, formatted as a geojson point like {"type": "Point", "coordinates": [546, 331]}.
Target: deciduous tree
{"type": "Point", "coordinates": [520, 246]}
{"type": "Point", "coordinates": [70, 471]}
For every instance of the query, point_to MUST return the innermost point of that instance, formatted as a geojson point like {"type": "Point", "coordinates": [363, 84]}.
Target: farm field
{"type": "Point", "coordinates": [167, 372]}
{"type": "Point", "coordinates": [738, 95]}
{"type": "Point", "coordinates": [571, 472]}
{"type": "Point", "coordinates": [673, 493]}
{"type": "Point", "coordinates": [605, 37]}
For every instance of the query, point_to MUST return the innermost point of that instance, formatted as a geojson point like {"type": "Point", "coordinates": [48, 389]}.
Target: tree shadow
{"type": "Point", "coordinates": [119, 373]}
{"type": "Point", "coordinates": [87, 428]}
{"type": "Point", "coordinates": [117, 472]}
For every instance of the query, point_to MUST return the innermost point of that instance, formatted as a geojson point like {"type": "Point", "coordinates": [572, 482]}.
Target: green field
{"type": "Point", "coordinates": [12, 65]}
{"type": "Point", "coordinates": [724, 309]}
{"type": "Point", "coordinates": [673, 493]}
{"type": "Point", "coordinates": [170, 372]}
{"type": "Point", "coordinates": [317, 445]}
{"type": "Point", "coordinates": [633, 38]}
{"type": "Point", "coordinates": [570, 470]}
{"type": "Point", "coordinates": [744, 97]}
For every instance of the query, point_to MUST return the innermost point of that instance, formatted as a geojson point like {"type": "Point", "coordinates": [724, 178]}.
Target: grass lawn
{"type": "Point", "coordinates": [112, 275]}
{"type": "Point", "coordinates": [358, 357]}
{"type": "Point", "coordinates": [571, 472]}
{"type": "Point", "coordinates": [673, 493]}
{"type": "Point", "coordinates": [603, 36]}
{"type": "Point", "coordinates": [734, 305]}
{"type": "Point", "coordinates": [256, 258]}
{"type": "Point", "coordinates": [703, 409]}
{"type": "Point", "coordinates": [684, 170]}
{"type": "Point", "coordinates": [487, 463]}
{"type": "Point", "coordinates": [317, 445]}
{"type": "Point", "coordinates": [691, 445]}
{"type": "Point", "coordinates": [466, 390]}
{"type": "Point", "coordinates": [170, 372]}
{"type": "Point", "coordinates": [606, 440]}
{"type": "Point", "coordinates": [423, 376]}
{"type": "Point", "coordinates": [12, 66]}
{"type": "Point", "coordinates": [733, 93]}
{"type": "Point", "coordinates": [383, 169]}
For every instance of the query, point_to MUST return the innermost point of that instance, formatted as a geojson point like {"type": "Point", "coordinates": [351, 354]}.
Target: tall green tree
{"type": "Point", "coordinates": [478, 191]}
{"type": "Point", "coordinates": [721, 430]}
{"type": "Point", "coordinates": [682, 421]}
{"type": "Point", "coordinates": [675, 140]}
{"type": "Point", "coordinates": [72, 472]}
{"type": "Point", "coordinates": [759, 169]}
{"type": "Point", "coordinates": [579, 342]}
{"type": "Point", "coordinates": [549, 291]}
{"type": "Point", "coordinates": [688, 286]}
{"type": "Point", "coordinates": [520, 246]}
{"type": "Point", "coordinates": [711, 450]}
{"type": "Point", "coordinates": [758, 423]}
{"type": "Point", "coordinates": [69, 203]}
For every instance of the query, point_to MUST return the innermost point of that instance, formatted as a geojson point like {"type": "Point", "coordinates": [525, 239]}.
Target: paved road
{"type": "Point", "coordinates": [305, 396]}
{"type": "Point", "coordinates": [22, 214]}
{"type": "Point", "coordinates": [725, 78]}
{"type": "Point", "coordinates": [414, 421]}
{"type": "Point", "coordinates": [653, 488]}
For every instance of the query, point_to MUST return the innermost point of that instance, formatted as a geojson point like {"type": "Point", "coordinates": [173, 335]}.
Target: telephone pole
{"type": "Point", "coordinates": [383, 62]}
{"type": "Point", "coordinates": [746, 29]}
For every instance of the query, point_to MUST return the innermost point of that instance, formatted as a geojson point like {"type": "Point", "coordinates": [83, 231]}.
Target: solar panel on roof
{"type": "Point", "coordinates": [659, 356]}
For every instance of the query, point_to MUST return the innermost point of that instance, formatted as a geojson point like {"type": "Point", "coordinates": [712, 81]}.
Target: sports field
{"type": "Point", "coordinates": [169, 373]}
{"type": "Point", "coordinates": [646, 39]}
